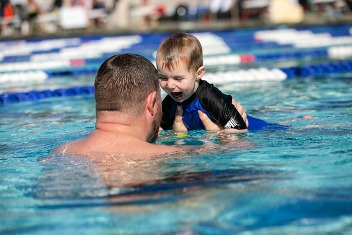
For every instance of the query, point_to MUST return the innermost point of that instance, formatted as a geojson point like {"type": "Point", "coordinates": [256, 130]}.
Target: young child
{"type": "Point", "coordinates": [179, 60]}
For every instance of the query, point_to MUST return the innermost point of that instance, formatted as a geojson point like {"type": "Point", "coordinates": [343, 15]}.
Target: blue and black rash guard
{"type": "Point", "coordinates": [209, 99]}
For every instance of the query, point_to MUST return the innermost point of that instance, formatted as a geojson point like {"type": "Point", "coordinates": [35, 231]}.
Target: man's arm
{"type": "Point", "coordinates": [179, 126]}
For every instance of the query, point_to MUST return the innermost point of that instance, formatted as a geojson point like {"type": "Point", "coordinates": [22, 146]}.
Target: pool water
{"type": "Point", "coordinates": [292, 181]}
{"type": "Point", "coordinates": [275, 182]}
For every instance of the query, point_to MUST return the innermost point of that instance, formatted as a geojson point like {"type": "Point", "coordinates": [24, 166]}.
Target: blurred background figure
{"type": "Point", "coordinates": [285, 12]}
{"type": "Point", "coordinates": [223, 9]}
{"type": "Point", "coordinates": [146, 14]}
{"type": "Point", "coordinates": [18, 7]}
{"type": "Point", "coordinates": [56, 5]}
{"type": "Point", "coordinates": [195, 11]}
{"type": "Point", "coordinates": [74, 15]}
{"type": "Point", "coordinates": [27, 12]}
{"type": "Point", "coordinates": [253, 9]}
{"type": "Point", "coordinates": [151, 16]}
{"type": "Point", "coordinates": [32, 10]}
{"type": "Point", "coordinates": [98, 14]}
{"type": "Point", "coordinates": [6, 15]}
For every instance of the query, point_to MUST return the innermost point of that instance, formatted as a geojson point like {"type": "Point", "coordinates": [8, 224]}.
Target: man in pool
{"type": "Point", "coordinates": [128, 111]}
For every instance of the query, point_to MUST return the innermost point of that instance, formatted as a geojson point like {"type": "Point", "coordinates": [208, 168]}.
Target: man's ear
{"type": "Point", "coordinates": [200, 72]}
{"type": "Point", "coordinates": [150, 103]}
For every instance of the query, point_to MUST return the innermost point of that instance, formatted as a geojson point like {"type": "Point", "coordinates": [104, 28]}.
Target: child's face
{"type": "Point", "coordinates": [179, 83]}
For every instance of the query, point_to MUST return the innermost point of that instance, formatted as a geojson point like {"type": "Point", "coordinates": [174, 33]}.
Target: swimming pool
{"type": "Point", "coordinates": [293, 181]}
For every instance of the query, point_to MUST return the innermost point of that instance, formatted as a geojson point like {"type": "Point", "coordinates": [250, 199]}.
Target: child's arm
{"type": "Point", "coordinates": [243, 114]}
{"type": "Point", "coordinates": [222, 108]}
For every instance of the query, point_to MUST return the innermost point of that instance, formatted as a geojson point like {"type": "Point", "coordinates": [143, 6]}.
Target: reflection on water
{"type": "Point", "coordinates": [120, 175]}
{"type": "Point", "coordinates": [292, 181]}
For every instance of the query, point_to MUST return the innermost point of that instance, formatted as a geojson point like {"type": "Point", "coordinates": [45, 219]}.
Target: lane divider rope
{"type": "Point", "coordinates": [252, 74]}
{"type": "Point", "coordinates": [37, 95]}
{"type": "Point", "coordinates": [219, 78]}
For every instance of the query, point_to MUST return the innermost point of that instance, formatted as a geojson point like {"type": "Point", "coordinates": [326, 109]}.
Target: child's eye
{"type": "Point", "coordinates": [178, 79]}
{"type": "Point", "coordinates": [162, 78]}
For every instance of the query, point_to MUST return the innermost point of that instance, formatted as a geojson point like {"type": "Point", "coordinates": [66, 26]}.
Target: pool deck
{"type": "Point", "coordinates": [312, 19]}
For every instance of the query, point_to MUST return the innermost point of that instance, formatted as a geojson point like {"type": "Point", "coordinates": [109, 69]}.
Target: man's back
{"type": "Point", "coordinates": [100, 144]}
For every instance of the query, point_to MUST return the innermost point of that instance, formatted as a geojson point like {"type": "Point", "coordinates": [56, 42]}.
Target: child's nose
{"type": "Point", "coordinates": [170, 84]}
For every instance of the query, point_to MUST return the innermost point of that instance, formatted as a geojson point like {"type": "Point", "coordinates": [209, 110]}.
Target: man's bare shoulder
{"type": "Point", "coordinates": [59, 149]}
{"type": "Point", "coordinates": [71, 148]}
{"type": "Point", "coordinates": [84, 147]}
{"type": "Point", "coordinates": [161, 149]}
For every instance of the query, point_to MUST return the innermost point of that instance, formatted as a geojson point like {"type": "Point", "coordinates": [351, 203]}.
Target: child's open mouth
{"type": "Point", "coordinates": [176, 95]}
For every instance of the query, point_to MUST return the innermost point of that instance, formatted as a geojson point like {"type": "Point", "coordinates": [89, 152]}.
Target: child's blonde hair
{"type": "Point", "coordinates": [180, 47]}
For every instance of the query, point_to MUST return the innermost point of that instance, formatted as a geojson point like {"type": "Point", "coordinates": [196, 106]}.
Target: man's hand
{"type": "Point", "coordinates": [208, 124]}
{"type": "Point", "coordinates": [178, 125]}
{"type": "Point", "coordinates": [240, 109]}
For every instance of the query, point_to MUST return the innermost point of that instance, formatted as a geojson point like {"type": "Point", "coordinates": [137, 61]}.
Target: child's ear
{"type": "Point", "coordinates": [200, 72]}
